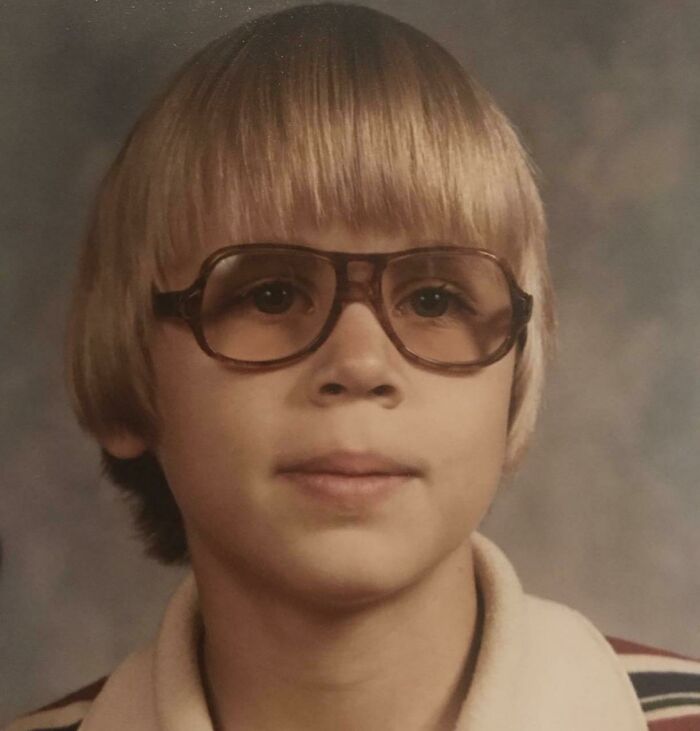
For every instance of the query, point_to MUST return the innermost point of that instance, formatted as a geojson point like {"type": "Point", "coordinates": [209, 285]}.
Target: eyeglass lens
{"type": "Point", "coordinates": [266, 305]}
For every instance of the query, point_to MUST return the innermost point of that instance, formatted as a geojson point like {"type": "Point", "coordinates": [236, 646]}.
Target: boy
{"type": "Point", "coordinates": [309, 332]}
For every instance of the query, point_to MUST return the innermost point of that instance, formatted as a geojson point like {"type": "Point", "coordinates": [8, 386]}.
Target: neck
{"type": "Point", "coordinates": [403, 662]}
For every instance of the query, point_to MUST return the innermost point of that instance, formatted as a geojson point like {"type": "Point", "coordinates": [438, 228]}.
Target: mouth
{"type": "Point", "coordinates": [348, 463]}
{"type": "Point", "coordinates": [350, 480]}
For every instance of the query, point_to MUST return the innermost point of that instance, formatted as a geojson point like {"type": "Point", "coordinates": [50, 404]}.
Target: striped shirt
{"type": "Point", "coordinates": [667, 685]}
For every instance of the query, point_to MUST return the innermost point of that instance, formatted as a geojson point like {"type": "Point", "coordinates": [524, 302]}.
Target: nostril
{"type": "Point", "coordinates": [382, 390]}
{"type": "Point", "coordinates": [332, 388]}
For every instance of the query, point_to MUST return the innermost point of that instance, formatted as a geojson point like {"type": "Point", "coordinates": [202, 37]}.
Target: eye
{"type": "Point", "coordinates": [435, 301]}
{"type": "Point", "coordinates": [430, 301]}
{"type": "Point", "coordinates": [273, 298]}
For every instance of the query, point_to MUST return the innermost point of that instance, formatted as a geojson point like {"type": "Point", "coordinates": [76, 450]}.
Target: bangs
{"type": "Point", "coordinates": [303, 121]}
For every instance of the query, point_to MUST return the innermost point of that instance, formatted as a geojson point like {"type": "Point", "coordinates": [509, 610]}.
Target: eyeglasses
{"type": "Point", "coordinates": [267, 305]}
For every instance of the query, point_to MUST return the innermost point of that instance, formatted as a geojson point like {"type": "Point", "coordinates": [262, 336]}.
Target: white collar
{"type": "Point", "coordinates": [541, 667]}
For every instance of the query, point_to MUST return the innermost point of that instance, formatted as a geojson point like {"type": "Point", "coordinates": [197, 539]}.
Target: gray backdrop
{"type": "Point", "coordinates": [603, 517]}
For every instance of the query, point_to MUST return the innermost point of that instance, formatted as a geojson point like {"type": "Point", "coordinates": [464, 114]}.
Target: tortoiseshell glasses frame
{"type": "Point", "coordinates": [186, 304]}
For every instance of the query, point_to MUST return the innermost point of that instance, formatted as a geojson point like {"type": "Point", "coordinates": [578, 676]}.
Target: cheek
{"type": "Point", "coordinates": [199, 400]}
{"type": "Point", "coordinates": [466, 433]}
{"type": "Point", "coordinates": [212, 422]}
{"type": "Point", "coordinates": [470, 415]}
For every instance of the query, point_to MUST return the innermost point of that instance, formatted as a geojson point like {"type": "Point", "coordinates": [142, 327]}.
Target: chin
{"type": "Point", "coordinates": [350, 569]}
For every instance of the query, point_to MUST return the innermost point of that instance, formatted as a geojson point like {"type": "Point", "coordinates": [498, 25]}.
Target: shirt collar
{"type": "Point", "coordinates": [541, 666]}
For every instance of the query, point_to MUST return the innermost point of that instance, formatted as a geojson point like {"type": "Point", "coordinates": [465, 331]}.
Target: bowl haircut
{"type": "Point", "coordinates": [315, 115]}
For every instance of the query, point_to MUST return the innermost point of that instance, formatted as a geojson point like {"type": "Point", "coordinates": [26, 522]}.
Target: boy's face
{"type": "Point", "coordinates": [225, 433]}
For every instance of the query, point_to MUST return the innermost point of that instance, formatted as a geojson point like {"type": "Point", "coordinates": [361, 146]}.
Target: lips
{"type": "Point", "coordinates": [351, 483]}
{"type": "Point", "coordinates": [348, 463]}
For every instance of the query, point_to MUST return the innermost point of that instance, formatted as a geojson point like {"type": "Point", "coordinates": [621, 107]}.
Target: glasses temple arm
{"type": "Point", "coordinates": [167, 304]}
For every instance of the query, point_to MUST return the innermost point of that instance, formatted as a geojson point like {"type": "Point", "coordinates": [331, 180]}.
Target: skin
{"type": "Point", "coordinates": [353, 619]}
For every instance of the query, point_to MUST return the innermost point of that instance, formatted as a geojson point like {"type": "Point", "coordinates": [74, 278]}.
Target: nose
{"type": "Point", "coordinates": [357, 361]}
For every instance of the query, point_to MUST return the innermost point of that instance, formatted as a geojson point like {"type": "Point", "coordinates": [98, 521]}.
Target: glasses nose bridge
{"type": "Point", "coordinates": [359, 281]}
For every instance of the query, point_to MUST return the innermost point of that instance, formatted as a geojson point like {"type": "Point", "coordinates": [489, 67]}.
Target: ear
{"type": "Point", "coordinates": [123, 444]}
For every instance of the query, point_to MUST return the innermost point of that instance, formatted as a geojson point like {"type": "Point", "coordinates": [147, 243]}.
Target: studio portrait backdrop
{"type": "Point", "coordinates": [603, 514]}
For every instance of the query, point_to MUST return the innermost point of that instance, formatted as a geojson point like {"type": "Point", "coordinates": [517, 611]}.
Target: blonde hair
{"type": "Point", "coordinates": [313, 115]}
